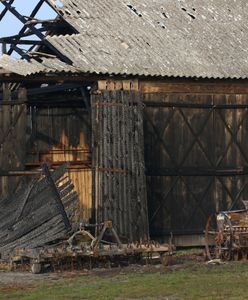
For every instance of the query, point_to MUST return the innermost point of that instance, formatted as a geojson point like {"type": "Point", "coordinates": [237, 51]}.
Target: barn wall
{"type": "Point", "coordinates": [195, 149]}
{"type": "Point", "coordinates": [196, 158]}
{"type": "Point", "coordinates": [58, 135]}
{"type": "Point", "coordinates": [34, 133]}
{"type": "Point", "coordinates": [12, 144]}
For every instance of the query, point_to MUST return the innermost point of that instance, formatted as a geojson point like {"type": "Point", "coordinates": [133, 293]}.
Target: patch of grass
{"type": "Point", "coordinates": [197, 281]}
{"type": "Point", "coordinates": [189, 251]}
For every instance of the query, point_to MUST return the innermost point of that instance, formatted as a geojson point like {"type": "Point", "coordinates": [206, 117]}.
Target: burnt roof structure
{"type": "Point", "coordinates": [169, 38]}
{"type": "Point", "coordinates": [147, 100]}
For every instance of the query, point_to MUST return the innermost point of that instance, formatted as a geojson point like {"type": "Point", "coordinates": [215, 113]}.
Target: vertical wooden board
{"type": "Point", "coordinates": [210, 139]}
{"type": "Point", "coordinates": [159, 135]}
{"type": "Point", "coordinates": [12, 145]}
{"type": "Point", "coordinates": [243, 131]}
{"type": "Point", "coordinates": [63, 134]}
{"type": "Point", "coordinates": [82, 181]}
{"type": "Point", "coordinates": [121, 163]}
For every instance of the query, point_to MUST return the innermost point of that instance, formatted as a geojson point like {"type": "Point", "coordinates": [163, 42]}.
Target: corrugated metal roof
{"type": "Point", "coordinates": [185, 38]}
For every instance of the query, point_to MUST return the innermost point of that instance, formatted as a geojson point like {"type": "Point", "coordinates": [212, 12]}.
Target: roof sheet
{"type": "Point", "coordinates": [158, 37]}
{"type": "Point", "coordinates": [25, 68]}
{"type": "Point", "coordinates": [185, 38]}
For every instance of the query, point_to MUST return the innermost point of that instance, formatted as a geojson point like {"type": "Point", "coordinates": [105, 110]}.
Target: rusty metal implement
{"type": "Point", "coordinates": [83, 250]}
{"type": "Point", "coordinates": [226, 235]}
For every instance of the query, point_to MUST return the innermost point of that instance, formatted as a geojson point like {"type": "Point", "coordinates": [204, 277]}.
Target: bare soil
{"type": "Point", "coordinates": [24, 280]}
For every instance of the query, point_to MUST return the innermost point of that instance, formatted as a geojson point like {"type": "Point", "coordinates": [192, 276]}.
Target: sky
{"type": "Point", "coordinates": [10, 25]}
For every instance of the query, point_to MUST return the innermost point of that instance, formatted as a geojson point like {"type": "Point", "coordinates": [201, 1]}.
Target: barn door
{"type": "Point", "coordinates": [196, 159]}
{"type": "Point", "coordinates": [119, 188]}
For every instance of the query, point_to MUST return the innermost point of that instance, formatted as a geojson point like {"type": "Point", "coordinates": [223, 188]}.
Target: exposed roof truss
{"type": "Point", "coordinates": [33, 32]}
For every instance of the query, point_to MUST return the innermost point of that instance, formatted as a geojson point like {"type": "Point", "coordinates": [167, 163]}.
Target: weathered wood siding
{"type": "Point", "coordinates": [118, 162]}
{"type": "Point", "coordinates": [196, 158]}
{"type": "Point", "coordinates": [12, 144]}
{"type": "Point", "coordinates": [63, 134]}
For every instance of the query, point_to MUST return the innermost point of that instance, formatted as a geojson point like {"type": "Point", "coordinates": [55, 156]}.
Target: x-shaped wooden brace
{"type": "Point", "coordinates": [234, 199]}
{"type": "Point", "coordinates": [196, 137]}
{"type": "Point", "coordinates": [197, 201]}
{"type": "Point", "coordinates": [160, 134]}
{"type": "Point", "coordinates": [163, 199]}
{"type": "Point", "coordinates": [233, 137]}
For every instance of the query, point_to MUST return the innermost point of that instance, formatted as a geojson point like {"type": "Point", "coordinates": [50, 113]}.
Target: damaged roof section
{"type": "Point", "coordinates": [25, 68]}
{"type": "Point", "coordinates": [174, 38]}
{"type": "Point", "coordinates": [42, 213]}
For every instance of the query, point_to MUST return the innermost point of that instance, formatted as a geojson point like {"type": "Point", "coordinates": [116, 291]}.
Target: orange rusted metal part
{"type": "Point", "coordinates": [226, 235]}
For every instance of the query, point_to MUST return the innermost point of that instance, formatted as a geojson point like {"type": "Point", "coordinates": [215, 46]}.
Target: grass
{"type": "Point", "coordinates": [193, 281]}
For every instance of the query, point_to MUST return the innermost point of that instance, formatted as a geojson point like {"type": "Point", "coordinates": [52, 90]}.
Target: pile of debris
{"type": "Point", "coordinates": [42, 213]}
{"type": "Point", "coordinates": [40, 226]}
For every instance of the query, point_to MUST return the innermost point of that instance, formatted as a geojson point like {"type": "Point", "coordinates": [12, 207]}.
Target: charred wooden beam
{"type": "Point", "coordinates": [45, 90]}
{"type": "Point", "coordinates": [194, 105]}
{"type": "Point", "coordinates": [36, 32]}
{"type": "Point", "coordinates": [197, 172]}
{"type": "Point", "coordinates": [22, 53]}
{"type": "Point", "coordinates": [18, 173]}
{"type": "Point", "coordinates": [19, 36]}
{"type": "Point", "coordinates": [33, 14]}
{"type": "Point", "coordinates": [34, 21]}
{"type": "Point", "coordinates": [81, 164]}
{"type": "Point", "coordinates": [4, 12]}
{"type": "Point", "coordinates": [20, 42]}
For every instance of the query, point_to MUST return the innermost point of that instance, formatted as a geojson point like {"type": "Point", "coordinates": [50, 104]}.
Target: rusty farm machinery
{"type": "Point", "coordinates": [226, 235]}
{"type": "Point", "coordinates": [83, 250]}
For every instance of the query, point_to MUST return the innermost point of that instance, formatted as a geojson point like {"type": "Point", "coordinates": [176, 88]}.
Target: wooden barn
{"type": "Point", "coordinates": [147, 100]}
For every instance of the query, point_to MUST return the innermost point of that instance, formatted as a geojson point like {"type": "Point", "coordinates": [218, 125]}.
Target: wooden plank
{"type": "Point", "coordinates": [193, 87]}
{"type": "Point", "coordinates": [118, 85]}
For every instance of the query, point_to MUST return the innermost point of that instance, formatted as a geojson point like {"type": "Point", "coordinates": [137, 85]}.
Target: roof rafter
{"type": "Point", "coordinates": [27, 25]}
{"type": "Point", "coordinates": [24, 28]}
{"type": "Point", "coordinates": [4, 12]}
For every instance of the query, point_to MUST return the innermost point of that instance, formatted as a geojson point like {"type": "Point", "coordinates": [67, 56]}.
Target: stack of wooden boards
{"type": "Point", "coordinates": [42, 213]}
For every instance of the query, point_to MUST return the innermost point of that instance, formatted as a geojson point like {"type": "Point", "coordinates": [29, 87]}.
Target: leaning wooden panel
{"type": "Point", "coordinates": [119, 185]}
